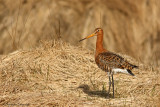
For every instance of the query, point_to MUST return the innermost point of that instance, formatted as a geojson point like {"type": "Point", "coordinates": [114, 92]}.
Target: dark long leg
{"type": "Point", "coordinates": [109, 83]}
{"type": "Point", "coordinates": [113, 84]}
{"type": "Point", "coordinates": [109, 74]}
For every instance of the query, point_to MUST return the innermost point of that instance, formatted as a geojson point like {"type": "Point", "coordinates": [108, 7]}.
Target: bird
{"type": "Point", "coordinates": [109, 62]}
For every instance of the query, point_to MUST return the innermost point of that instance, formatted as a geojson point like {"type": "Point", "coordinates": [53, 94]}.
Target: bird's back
{"type": "Point", "coordinates": [114, 61]}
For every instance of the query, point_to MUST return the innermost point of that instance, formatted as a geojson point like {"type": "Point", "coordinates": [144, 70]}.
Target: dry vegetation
{"type": "Point", "coordinates": [58, 74]}
{"type": "Point", "coordinates": [130, 26]}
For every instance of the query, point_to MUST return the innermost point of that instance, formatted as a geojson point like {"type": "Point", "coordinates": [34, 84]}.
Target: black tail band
{"type": "Point", "coordinates": [130, 72]}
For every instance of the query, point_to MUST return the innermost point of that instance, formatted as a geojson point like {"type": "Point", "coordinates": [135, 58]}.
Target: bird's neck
{"type": "Point", "coordinates": [99, 44]}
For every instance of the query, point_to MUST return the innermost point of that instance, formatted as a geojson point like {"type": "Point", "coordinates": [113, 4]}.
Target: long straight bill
{"type": "Point", "coordinates": [82, 39]}
{"type": "Point", "coordinates": [87, 37]}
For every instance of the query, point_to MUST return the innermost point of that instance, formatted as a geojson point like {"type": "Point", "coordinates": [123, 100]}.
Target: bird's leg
{"type": "Point", "coordinates": [109, 77]}
{"type": "Point", "coordinates": [113, 84]}
{"type": "Point", "coordinates": [109, 82]}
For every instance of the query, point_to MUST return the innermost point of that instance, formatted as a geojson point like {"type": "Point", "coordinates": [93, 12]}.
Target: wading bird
{"type": "Point", "coordinates": [108, 61]}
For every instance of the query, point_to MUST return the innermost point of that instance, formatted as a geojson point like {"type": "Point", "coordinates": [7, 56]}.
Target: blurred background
{"type": "Point", "coordinates": [130, 27]}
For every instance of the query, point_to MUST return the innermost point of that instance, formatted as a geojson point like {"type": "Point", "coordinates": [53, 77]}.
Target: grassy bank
{"type": "Point", "coordinates": [58, 74]}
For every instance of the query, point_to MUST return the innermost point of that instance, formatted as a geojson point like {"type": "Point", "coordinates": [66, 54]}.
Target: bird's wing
{"type": "Point", "coordinates": [109, 59]}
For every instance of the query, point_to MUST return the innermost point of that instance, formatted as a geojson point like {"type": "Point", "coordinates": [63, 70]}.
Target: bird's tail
{"type": "Point", "coordinates": [134, 66]}
{"type": "Point", "coordinates": [130, 72]}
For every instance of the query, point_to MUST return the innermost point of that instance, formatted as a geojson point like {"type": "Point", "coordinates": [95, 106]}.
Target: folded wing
{"type": "Point", "coordinates": [109, 59]}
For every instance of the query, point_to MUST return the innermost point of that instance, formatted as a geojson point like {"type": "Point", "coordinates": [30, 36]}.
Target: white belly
{"type": "Point", "coordinates": [118, 70]}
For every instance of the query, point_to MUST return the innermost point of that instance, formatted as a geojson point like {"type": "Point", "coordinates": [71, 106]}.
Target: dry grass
{"type": "Point", "coordinates": [130, 26]}
{"type": "Point", "coordinates": [58, 74]}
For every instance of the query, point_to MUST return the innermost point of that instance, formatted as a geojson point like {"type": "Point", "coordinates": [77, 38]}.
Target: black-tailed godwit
{"type": "Point", "coordinates": [109, 61]}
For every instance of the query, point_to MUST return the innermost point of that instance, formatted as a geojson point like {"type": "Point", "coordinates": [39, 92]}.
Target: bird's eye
{"type": "Point", "coordinates": [98, 30]}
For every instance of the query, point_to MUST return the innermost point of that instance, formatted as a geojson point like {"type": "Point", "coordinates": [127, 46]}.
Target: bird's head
{"type": "Point", "coordinates": [97, 31]}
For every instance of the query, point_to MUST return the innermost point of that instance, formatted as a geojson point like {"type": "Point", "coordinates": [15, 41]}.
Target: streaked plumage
{"type": "Point", "coordinates": [108, 61]}
{"type": "Point", "coordinates": [113, 61]}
